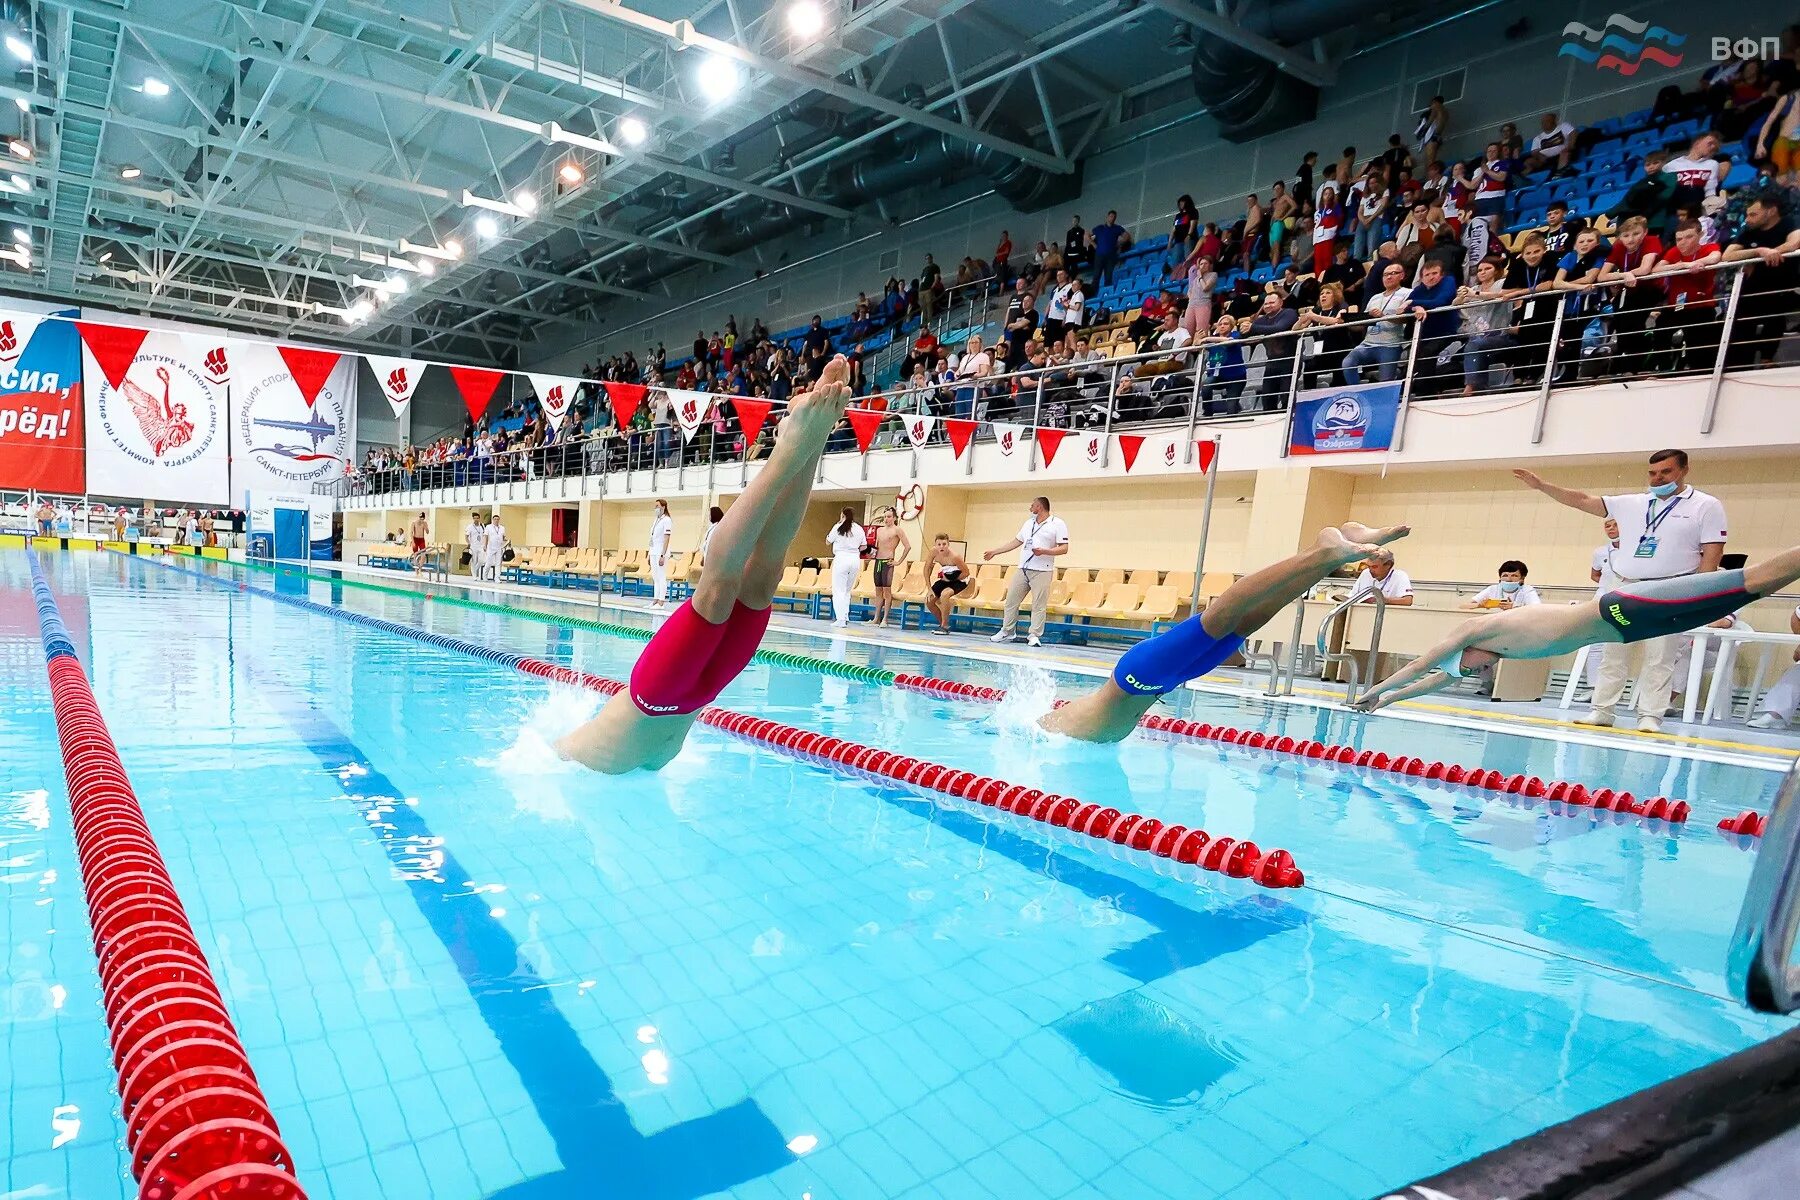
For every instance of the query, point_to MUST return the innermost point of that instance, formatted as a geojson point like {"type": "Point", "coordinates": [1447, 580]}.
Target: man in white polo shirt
{"type": "Point", "coordinates": [1042, 540]}
{"type": "Point", "coordinates": [1379, 574]}
{"type": "Point", "coordinates": [1674, 530]}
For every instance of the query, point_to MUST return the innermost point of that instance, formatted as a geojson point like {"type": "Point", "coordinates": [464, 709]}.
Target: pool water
{"type": "Point", "coordinates": [462, 970]}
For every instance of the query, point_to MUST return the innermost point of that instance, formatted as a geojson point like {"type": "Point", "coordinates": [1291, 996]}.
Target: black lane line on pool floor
{"type": "Point", "coordinates": [602, 1152]}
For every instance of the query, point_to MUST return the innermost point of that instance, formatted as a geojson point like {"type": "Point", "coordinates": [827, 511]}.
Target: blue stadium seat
{"type": "Point", "coordinates": [1742, 174]}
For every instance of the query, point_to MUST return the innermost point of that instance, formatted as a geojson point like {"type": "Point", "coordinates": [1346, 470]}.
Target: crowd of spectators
{"type": "Point", "coordinates": [1326, 279]}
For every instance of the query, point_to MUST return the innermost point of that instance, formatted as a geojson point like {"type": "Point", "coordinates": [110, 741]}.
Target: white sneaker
{"type": "Point", "coordinates": [941, 631]}
{"type": "Point", "coordinates": [840, 624]}
{"type": "Point", "coordinates": [1649, 724]}
{"type": "Point", "coordinates": [1002, 636]}
{"type": "Point", "coordinates": [1036, 641]}
{"type": "Point", "coordinates": [1602, 717]}
{"type": "Point", "coordinates": [1768, 720]}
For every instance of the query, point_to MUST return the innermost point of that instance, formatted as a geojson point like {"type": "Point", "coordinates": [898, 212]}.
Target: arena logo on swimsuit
{"type": "Point", "coordinates": [1618, 615]}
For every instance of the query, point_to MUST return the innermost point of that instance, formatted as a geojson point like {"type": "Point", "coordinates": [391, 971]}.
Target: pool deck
{"type": "Point", "coordinates": [1731, 742]}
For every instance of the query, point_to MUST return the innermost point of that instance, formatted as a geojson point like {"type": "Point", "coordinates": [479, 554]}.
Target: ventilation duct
{"type": "Point", "coordinates": [1249, 96]}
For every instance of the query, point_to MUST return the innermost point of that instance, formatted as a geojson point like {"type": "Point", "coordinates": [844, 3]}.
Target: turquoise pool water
{"type": "Point", "coordinates": [463, 972]}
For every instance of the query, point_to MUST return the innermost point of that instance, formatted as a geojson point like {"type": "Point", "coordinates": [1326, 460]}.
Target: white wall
{"type": "Point", "coordinates": [1506, 81]}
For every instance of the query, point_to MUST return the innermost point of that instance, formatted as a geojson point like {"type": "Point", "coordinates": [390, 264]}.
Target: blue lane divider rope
{"type": "Point", "coordinates": [55, 634]}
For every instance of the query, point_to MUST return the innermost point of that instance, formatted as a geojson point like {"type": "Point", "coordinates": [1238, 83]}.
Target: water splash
{"type": "Point", "coordinates": [1030, 693]}
{"type": "Point", "coordinates": [533, 748]}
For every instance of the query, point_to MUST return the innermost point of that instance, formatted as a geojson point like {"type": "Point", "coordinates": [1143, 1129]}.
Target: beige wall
{"type": "Point", "coordinates": [1465, 522]}
{"type": "Point", "coordinates": [1113, 524]}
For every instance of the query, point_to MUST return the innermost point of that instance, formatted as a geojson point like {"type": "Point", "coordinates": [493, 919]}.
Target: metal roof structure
{"type": "Point", "coordinates": [461, 179]}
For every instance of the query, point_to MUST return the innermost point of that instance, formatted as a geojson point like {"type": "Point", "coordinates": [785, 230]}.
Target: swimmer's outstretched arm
{"type": "Point", "coordinates": [1422, 676]}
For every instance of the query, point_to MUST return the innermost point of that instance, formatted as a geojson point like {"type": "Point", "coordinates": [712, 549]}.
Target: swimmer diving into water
{"type": "Point", "coordinates": [1637, 611]}
{"type": "Point", "coordinates": [711, 637]}
{"type": "Point", "coordinates": [1153, 668]}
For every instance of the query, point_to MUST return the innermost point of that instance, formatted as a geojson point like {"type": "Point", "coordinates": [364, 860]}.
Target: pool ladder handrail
{"type": "Point", "coordinates": [1325, 658]}
{"type": "Point", "coordinates": [1759, 965]}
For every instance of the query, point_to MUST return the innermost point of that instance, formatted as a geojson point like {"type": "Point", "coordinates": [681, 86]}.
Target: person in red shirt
{"type": "Point", "coordinates": [1211, 244]}
{"type": "Point", "coordinates": [1634, 255]}
{"type": "Point", "coordinates": [924, 350]}
{"type": "Point", "coordinates": [1149, 318]}
{"type": "Point", "coordinates": [1692, 313]}
{"type": "Point", "coordinates": [1002, 253]}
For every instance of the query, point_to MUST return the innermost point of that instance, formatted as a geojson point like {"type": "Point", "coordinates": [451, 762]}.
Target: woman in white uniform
{"type": "Point", "coordinates": [661, 530]}
{"type": "Point", "coordinates": [847, 540]}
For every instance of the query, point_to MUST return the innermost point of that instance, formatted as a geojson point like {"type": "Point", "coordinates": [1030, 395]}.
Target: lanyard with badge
{"type": "Point", "coordinates": [1646, 547]}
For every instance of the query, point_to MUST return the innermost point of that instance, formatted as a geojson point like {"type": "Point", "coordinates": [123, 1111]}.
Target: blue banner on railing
{"type": "Point", "coordinates": [1345, 420]}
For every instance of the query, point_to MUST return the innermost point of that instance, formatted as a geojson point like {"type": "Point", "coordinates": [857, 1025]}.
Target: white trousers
{"type": "Point", "coordinates": [659, 576]}
{"type": "Point", "coordinates": [1784, 697]}
{"type": "Point", "coordinates": [1655, 677]}
{"type": "Point", "coordinates": [843, 578]}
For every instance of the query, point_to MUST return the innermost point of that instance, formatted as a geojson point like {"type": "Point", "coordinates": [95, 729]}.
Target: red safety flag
{"type": "Point", "coordinates": [625, 397]}
{"type": "Point", "coordinates": [751, 414]}
{"type": "Point", "coordinates": [477, 385]}
{"type": "Point", "coordinates": [1209, 450]}
{"type": "Point", "coordinates": [959, 432]}
{"type": "Point", "coordinates": [1129, 445]}
{"type": "Point", "coordinates": [309, 368]}
{"type": "Point", "coordinates": [865, 423]}
{"type": "Point", "coordinates": [1048, 440]}
{"type": "Point", "coordinates": [114, 347]}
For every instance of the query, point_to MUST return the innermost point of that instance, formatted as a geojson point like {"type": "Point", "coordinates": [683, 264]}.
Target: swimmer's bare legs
{"type": "Point", "coordinates": [744, 565]}
{"type": "Point", "coordinates": [1109, 713]}
{"type": "Point", "coordinates": [1772, 574]}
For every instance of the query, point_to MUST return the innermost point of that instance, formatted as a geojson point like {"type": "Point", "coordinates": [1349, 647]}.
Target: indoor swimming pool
{"type": "Point", "coordinates": [464, 970]}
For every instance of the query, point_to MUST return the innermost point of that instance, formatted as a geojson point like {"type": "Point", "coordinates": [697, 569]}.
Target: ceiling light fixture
{"type": "Point", "coordinates": [20, 182]}
{"type": "Point", "coordinates": [20, 148]}
{"type": "Point", "coordinates": [487, 227]}
{"type": "Point", "coordinates": [19, 47]}
{"type": "Point", "coordinates": [360, 311]}
{"type": "Point", "coordinates": [805, 19]}
{"type": "Point", "coordinates": [718, 78]}
{"type": "Point", "coordinates": [154, 86]}
{"type": "Point", "coordinates": [129, 172]}
{"type": "Point", "coordinates": [21, 236]}
{"type": "Point", "coordinates": [633, 132]}
{"type": "Point", "coordinates": [570, 172]}
{"type": "Point", "coordinates": [395, 286]}
{"type": "Point", "coordinates": [425, 267]}
{"type": "Point", "coordinates": [24, 103]}
{"type": "Point", "coordinates": [454, 247]}
{"type": "Point", "coordinates": [525, 201]}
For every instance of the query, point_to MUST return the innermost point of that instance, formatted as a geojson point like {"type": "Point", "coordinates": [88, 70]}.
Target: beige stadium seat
{"type": "Point", "coordinates": [1061, 592]}
{"type": "Point", "coordinates": [1122, 600]}
{"type": "Point", "coordinates": [864, 587]}
{"type": "Point", "coordinates": [914, 585]}
{"type": "Point", "coordinates": [1143, 578]}
{"type": "Point", "coordinates": [1074, 576]}
{"type": "Point", "coordinates": [989, 593]}
{"type": "Point", "coordinates": [677, 567]}
{"type": "Point", "coordinates": [1182, 582]}
{"type": "Point", "coordinates": [635, 562]}
{"type": "Point", "coordinates": [790, 582]}
{"type": "Point", "coordinates": [1213, 585]}
{"type": "Point", "coordinates": [1085, 601]}
{"type": "Point", "coordinates": [1108, 576]}
{"type": "Point", "coordinates": [1160, 603]}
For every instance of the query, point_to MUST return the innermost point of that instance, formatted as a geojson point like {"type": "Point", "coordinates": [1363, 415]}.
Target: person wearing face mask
{"type": "Point", "coordinates": [1510, 592]}
{"type": "Point", "coordinates": [1675, 530]}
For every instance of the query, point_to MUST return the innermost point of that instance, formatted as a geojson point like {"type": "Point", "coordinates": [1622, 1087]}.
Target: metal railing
{"type": "Point", "coordinates": [1353, 668]}
{"type": "Point", "coordinates": [1759, 964]}
{"type": "Point", "coordinates": [1557, 339]}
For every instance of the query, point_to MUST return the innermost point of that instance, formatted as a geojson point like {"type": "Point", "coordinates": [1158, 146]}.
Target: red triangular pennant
{"type": "Point", "coordinates": [1129, 445]}
{"type": "Point", "coordinates": [1048, 440]}
{"type": "Point", "coordinates": [959, 432]}
{"type": "Point", "coordinates": [310, 369]}
{"type": "Point", "coordinates": [751, 414]}
{"type": "Point", "coordinates": [1209, 450]}
{"type": "Point", "coordinates": [625, 397]}
{"type": "Point", "coordinates": [114, 347]}
{"type": "Point", "coordinates": [865, 423]}
{"type": "Point", "coordinates": [477, 385]}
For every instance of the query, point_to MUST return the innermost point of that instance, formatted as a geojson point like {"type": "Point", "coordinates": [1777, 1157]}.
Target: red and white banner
{"type": "Point", "coordinates": [212, 350]}
{"type": "Point", "coordinates": [156, 420]}
{"type": "Point", "coordinates": [863, 423]}
{"type": "Point", "coordinates": [398, 379]}
{"type": "Point", "coordinates": [1093, 446]}
{"type": "Point", "coordinates": [689, 408]}
{"type": "Point", "coordinates": [16, 329]}
{"type": "Point", "coordinates": [1007, 436]}
{"type": "Point", "coordinates": [918, 430]}
{"type": "Point", "coordinates": [555, 394]}
{"type": "Point", "coordinates": [281, 441]}
{"type": "Point", "coordinates": [41, 419]}
{"type": "Point", "coordinates": [1048, 440]}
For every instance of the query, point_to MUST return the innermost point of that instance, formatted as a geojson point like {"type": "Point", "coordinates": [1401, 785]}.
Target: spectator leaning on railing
{"type": "Point", "coordinates": [1386, 330]}
{"type": "Point", "coordinates": [1768, 242]}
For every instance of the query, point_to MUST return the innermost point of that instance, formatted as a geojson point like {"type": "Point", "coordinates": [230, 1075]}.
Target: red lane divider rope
{"type": "Point", "coordinates": [1748, 822]}
{"type": "Point", "coordinates": [1227, 856]}
{"type": "Point", "coordinates": [1573, 795]}
{"type": "Point", "coordinates": [197, 1124]}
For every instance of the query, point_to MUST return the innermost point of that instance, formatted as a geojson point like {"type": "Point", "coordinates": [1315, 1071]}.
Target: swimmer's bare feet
{"type": "Point", "coordinates": [1350, 542]}
{"type": "Point", "coordinates": [813, 414]}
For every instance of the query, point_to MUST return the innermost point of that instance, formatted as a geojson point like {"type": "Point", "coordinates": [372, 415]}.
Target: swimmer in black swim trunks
{"type": "Point", "coordinates": [1636, 612]}
{"type": "Point", "coordinates": [952, 581]}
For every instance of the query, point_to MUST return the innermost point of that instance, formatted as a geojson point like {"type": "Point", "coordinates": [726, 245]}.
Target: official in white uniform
{"type": "Point", "coordinates": [661, 530]}
{"type": "Point", "coordinates": [1379, 574]}
{"type": "Point", "coordinates": [475, 539]}
{"type": "Point", "coordinates": [1042, 539]}
{"type": "Point", "coordinates": [493, 545]}
{"type": "Point", "coordinates": [847, 540]}
{"type": "Point", "coordinates": [1675, 529]}
{"type": "Point", "coordinates": [1776, 708]}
